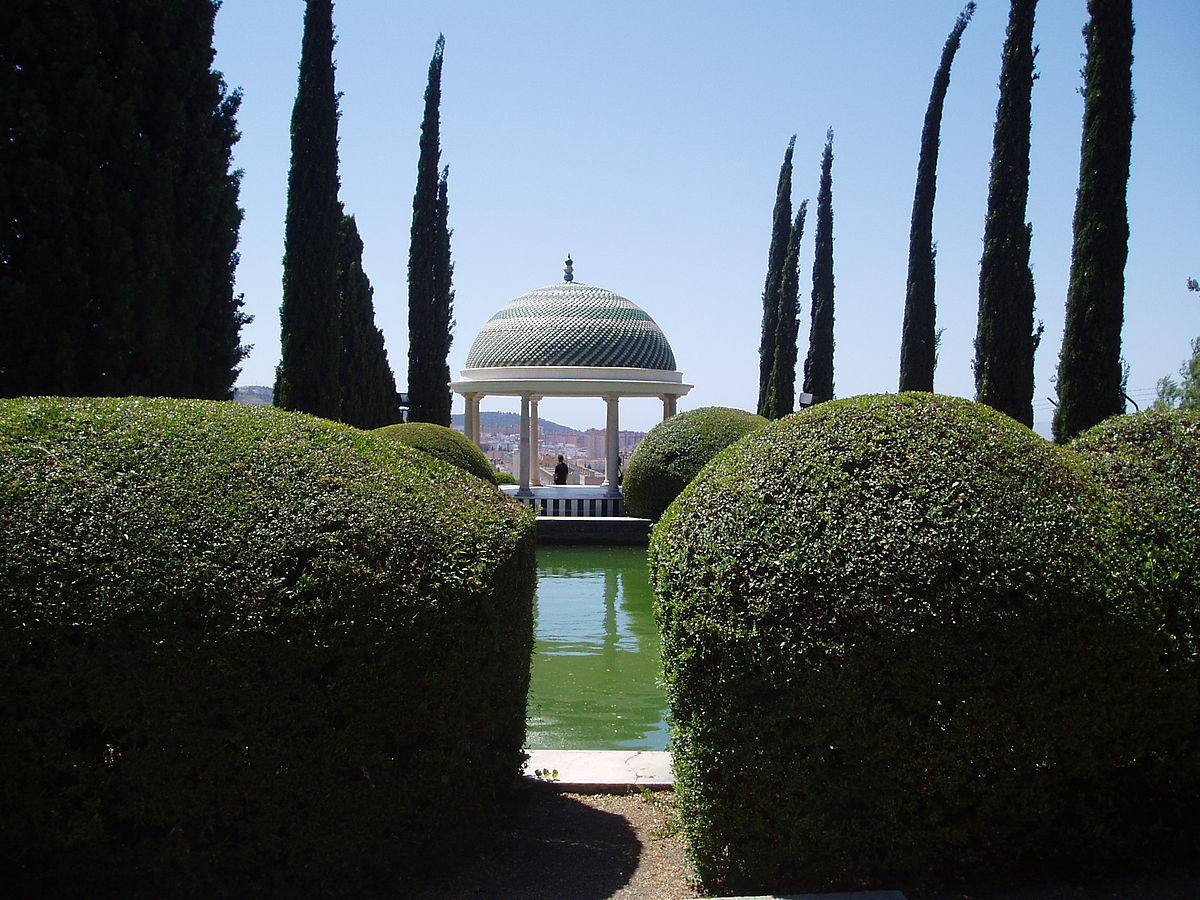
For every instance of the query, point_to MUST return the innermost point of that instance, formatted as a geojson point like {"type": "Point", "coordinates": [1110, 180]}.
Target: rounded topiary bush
{"type": "Point", "coordinates": [247, 652]}
{"type": "Point", "coordinates": [675, 450]}
{"type": "Point", "coordinates": [441, 443]}
{"type": "Point", "coordinates": [891, 659]}
{"type": "Point", "coordinates": [1151, 461]}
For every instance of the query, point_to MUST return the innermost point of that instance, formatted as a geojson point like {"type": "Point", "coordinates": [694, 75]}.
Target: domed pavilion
{"type": "Point", "coordinates": [569, 340]}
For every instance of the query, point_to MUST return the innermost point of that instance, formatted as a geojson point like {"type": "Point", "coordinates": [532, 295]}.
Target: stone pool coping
{"type": "Point", "coordinates": [601, 771]}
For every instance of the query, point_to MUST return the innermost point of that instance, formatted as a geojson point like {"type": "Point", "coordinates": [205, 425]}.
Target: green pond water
{"type": "Point", "coordinates": [596, 665]}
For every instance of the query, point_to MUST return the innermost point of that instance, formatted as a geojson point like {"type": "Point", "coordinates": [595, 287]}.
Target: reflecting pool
{"type": "Point", "coordinates": [596, 664]}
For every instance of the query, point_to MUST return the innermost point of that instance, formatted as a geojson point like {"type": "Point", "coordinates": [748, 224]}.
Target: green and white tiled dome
{"type": "Point", "coordinates": [571, 324]}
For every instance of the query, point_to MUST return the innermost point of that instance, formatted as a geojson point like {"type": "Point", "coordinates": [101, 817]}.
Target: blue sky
{"type": "Point", "coordinates": [646, 137]}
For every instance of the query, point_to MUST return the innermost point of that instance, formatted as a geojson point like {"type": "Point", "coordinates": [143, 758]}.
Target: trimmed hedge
{"type": "Point", "coordinates": [892, 662]}
{"type": "Point", "coordinates": [247, 652]}
{"type": "Point", "coordinates": [1151, 461]}
{"type": "Point", "coordinates": [441, 443]}
{"type": "Point", "coordinates": [675, 450]}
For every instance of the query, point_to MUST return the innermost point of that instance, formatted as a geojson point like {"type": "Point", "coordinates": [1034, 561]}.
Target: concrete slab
{"type": "Point", "coordinates": [601, 771]}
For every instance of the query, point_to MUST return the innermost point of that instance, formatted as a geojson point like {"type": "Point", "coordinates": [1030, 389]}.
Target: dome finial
{"type": "Point", "coordinates": [568, 273]}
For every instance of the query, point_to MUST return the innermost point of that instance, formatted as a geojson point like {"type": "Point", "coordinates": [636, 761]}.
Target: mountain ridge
{"type": "Point", "coordinates": [495, 421]}
{"type": "Point", "coordinates": [509, 423]}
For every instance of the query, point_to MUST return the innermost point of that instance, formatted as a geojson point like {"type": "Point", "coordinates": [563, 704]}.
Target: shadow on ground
{"type": "Point", "coordinates": [551, 847]}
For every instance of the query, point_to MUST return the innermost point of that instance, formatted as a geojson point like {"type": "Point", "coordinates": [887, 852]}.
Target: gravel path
{"type": "Point", "coordinates": [552, 846]}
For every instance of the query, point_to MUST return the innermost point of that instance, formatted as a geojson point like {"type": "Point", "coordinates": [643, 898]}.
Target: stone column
{"type": "Point", "coordinates": [535, 477]}
{"type": "Point", "coordinates": [475, 423]}
{"type": "Point", "coordinates": [613, 440]}
{"type": "Point", "coordinates": [523, 490]}
{"type": "Point", "coordinates": [471, 417]}
{"type": "Point", "coordinates": [669, 401]}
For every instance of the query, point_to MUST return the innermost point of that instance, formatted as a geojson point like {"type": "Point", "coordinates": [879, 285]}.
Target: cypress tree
{"type": "Point", "coordinates": [440, 335]}
{"type": "Point", "coordinates": [781, 386]}
{"type": "Point", "coordinates": [430, 297]}
{"type": "Point", "coordinates": [206, 204]}
{"type": "Point", "coordinates": [118, 210]}
{"type": "Point", "coordinates": [918, 345]}
{"type": "Point", "coordinates": [368, 387]}
{"type": "Point", "coordinates": [1089, 367]}
{"type": "Point", "coordinates": [1005, 340]}
{"type": "Point", "coordinates": [781, 228]}
{"type": "Point", "coordinates": [49, 217]}
{"type": "Point", "coordinates": [308, 378]}
{"type": "Point", "coordinates": [818, 365]}
{"type": "Point", "coordinates": [140, 216]}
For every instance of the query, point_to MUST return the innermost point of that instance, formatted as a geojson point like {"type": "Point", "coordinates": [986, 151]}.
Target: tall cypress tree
{"type": "Point", "coordinates": [441, 335]}
{"type": "Point", "coordinates": [918, 344]}
{"type": "Point", "coordinates": [429, 271]}
{"type": "Point", "coordinates": [56, 202]}
{"type": "Point", "coordinates": [206, 203]}
{"type": "Point", "coordinates": [781, 228]}
{"type": "Point", "coordinates": [781, 386]}
{"type": "Point", "coordinates": [369, 397]}
{"type": "Point", "coordinates": [118, 210]}
{"type": "Point", "coordinates": [1089, 367]}
{"type": "Point", "coordinates": [1005, 340]}
{"type": "Point", "coordinates": [818, 365]}
{"type": "Point", "coordinates": [308, 378]}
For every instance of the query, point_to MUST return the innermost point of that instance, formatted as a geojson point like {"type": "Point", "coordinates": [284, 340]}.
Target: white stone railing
{"type": "Point", "coordinates": [569, 500]}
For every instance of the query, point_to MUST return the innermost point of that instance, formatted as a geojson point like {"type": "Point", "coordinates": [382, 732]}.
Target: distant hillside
{"type": "Point", "coordinates": [509, 423]}
{"type": "Point", "coordinates": [493, 422]}
{"type": "Point", "coordinates": [254, 395]}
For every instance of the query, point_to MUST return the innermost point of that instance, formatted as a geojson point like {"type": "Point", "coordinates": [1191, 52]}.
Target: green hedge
{"type": "Point", "coordinates": [247, 652]}
{"type": "Point", "coordinates": [675, 450]}
{"type": "Point", "coordinates": [441, 443]}
{"type": "Point", "coordinates": [891, 659]}
{"type": "Point", "coordinates": [1152, 463]}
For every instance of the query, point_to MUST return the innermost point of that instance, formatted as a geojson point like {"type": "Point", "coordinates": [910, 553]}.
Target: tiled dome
{"type": "Point", "coordinates": [571, 324]}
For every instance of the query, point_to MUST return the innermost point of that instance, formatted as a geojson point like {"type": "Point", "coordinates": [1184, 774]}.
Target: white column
{"type": "Point", "coordinates": [471, 417]}
{"type": "Point", "coordinates": [475, 418]}
{"type": "Point", "coordinates": [669, 401]}
{"type": "Point", "coordinates": [613, 440]}
{"type": "Point", "coordinates": [523, 490]}
{"type": "Point", "coordinates": [535, 477]}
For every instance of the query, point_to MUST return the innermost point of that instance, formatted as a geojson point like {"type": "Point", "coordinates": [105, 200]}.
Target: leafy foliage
{"type": "Point", "coordinates": [1152, 462]}
{"type": "Point", "coordinates": [675, 450]}
{"type": "Point", "coordinates": [441, 443]}
{"type": "Point", "coordinates": [1185, 393]}
{"type": "Point", "coordinates": [918, 346]}
{"type": "Point", "coordinates": [120, 220]}
{"type": "Point", "coordinates": [247, 652]}
{"type": "Point", "coordinates": [308, 378]}
{"type": "Point", "coordinates": [1005, 339]}
{"type": "Point", "coordinates": [1090, 387]}
{"type": "Point", "coordinates": [892, 660]}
